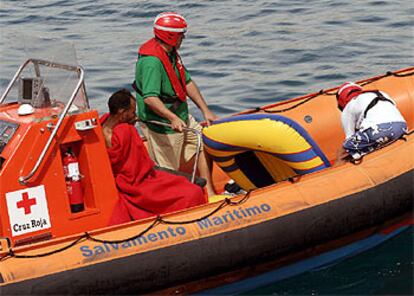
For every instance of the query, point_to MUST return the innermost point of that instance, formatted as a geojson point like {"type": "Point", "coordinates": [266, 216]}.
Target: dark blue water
{"type": "Point", "coordinates": [242, 54]}
{"type": "Point", "coordinates": [384, 270]}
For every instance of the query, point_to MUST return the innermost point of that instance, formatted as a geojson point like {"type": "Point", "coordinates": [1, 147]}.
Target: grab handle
{"type": "Point", "coordinates": [24, 179]}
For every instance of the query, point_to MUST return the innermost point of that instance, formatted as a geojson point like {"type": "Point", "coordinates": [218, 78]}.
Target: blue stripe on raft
{"type": "Point", "coordinates": [285, 120]}
{"type": "Point", "coordinates": [221, 158]}
{"type": "Point", "coordinates": [311, 170]}
{"type": "Point", "coordinates": [253, 169]}
{"type": "Point", "coordinates": [316, 262]}
{"type": "Point", "coordinates": [230, 168]}
{"type": "Point", "coordinates": [297, 157]}
{"type": "Point", "coordinates": [221, 146]}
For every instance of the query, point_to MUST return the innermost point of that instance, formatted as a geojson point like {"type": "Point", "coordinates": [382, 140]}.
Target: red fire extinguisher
{"type": "Point", "coordinates": [73, 182]}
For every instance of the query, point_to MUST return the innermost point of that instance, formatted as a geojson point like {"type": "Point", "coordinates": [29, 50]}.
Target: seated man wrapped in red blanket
{"type": "Point", "coordinates": [143, 191]}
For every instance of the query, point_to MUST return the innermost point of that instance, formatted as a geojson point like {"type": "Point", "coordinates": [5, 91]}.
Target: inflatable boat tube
{"type": "Point", "coordinates": [257, 150]}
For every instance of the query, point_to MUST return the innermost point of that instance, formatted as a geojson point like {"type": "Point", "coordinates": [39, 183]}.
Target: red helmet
{"type": "Point", "coordinates": [347, 92]}
{"type": "Point", "coordinates": [169, 26]}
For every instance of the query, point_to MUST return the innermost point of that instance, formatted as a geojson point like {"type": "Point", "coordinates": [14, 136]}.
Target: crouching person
{"type": "Point", "coordinates": [143, 191]}
{"type": "Point", "coordinates": [370, 119]}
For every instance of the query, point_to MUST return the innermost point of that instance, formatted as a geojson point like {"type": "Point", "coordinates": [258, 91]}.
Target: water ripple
{"type": "Point", "coordinates": [240, 53]}
{"type": "Point", "coordinates": [372, 19]}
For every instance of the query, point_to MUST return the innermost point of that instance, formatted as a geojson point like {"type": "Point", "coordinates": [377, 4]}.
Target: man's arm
{"type": "Point", "coordinates": [348, 122]}
{"type": "Point", "coordinates": [158, 107]}
{"type": "Point", "coordinates": [194, 93]}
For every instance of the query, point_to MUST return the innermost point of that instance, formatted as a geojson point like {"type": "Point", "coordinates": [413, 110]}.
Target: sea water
{"type": "Point", "coordinates": [242, 54]}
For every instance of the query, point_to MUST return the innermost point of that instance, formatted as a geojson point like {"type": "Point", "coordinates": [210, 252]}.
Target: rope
{"type": "Point", "coordinates": [97, 240]}
{"type": "Point", "coordinates": [323, 92]}
{"type": "Point", "coordinates": [12, 254]}
{"type": "Point", "coordinates": [158, 220]}
{"type": "Point", "coordinates": [307, 99]}
{"type": "Point", "coordinates": [225, 202]}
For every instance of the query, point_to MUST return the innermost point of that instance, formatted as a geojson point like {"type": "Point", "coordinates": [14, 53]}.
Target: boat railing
{"type": "Point", "coordinates": [191, 130]}
{"type": "Point", "coordinates": [36, 63]}
{"type": "Point", "coordinates": [80, 84]}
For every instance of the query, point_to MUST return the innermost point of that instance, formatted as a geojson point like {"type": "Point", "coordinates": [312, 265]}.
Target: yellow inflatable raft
{"type": "Point", "coordinates": [258, 150]}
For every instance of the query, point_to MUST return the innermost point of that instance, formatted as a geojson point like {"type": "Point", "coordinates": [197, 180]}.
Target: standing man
{"type": "Point", "coordinates": [162, 84]}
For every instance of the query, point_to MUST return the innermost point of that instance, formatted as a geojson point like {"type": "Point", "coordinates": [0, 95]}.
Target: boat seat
{"type": "Point", "coordinates": [198, 180]}
{"type": "Point", "coordinates": [257, 150]}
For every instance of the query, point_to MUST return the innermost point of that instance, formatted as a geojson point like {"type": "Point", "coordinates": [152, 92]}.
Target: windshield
{"type": "Point", "coordinates": [52, 81]}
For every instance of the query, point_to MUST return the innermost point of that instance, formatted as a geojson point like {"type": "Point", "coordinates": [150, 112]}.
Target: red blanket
{"type": "Point", "coordinates": [144, 191]}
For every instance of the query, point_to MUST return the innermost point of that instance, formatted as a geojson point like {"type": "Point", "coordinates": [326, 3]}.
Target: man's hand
{"type": "Point", "coordinates": [158, 107]}
{"type": "Point", "coordinates": [177, 124]}
{"type": "Point", "coordinates": [341, 153]}
{"type": "Point", "coordinates": [194, 93]}
{"type": "Point", "coordinates": [341, 156]}
{"type": "Point", "coordinates": [209, 116]}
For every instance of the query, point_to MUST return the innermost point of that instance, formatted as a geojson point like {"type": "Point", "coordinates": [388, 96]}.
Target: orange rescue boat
{"type": "Point", "coordinates": [51, 245]}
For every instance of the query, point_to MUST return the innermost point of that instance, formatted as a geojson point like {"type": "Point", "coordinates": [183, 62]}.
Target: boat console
{"type": "Point", "coordinates": [7, 130]}
{"type": "Point", "coordinates": [55, 175]}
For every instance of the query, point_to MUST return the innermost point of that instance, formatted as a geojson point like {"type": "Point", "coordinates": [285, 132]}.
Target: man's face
{"type": "Point", "coordinates": [130, 114]}
{"type": "Point", "coordinates": [179, 41]}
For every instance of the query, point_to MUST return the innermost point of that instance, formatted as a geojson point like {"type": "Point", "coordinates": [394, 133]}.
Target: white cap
{"type": "Point", "coordinates": [25, 109]}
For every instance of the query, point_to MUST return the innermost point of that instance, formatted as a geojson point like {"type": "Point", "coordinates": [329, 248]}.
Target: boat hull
{"type": "Point", "coordinates": [206, 246]}
{"type": "Point", "coordinates": [198, 259]}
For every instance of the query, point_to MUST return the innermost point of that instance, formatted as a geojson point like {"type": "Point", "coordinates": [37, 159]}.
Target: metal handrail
{"type": "Point", "coordinates": [8, 88]}
{"type": "Point", "coordinates": [197, 133]}
{"type": "Point", "coordinates": [36, 62]}
{"type": "Point", "coordinates": [24, 179]}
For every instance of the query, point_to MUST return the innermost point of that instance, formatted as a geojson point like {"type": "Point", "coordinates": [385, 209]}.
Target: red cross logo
{"type": "Point", "coordinates": [26, 203]}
